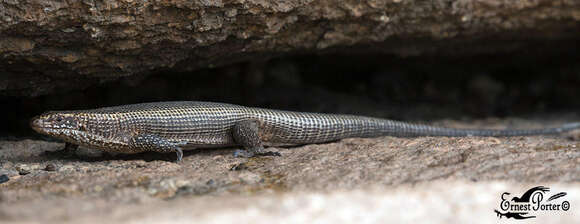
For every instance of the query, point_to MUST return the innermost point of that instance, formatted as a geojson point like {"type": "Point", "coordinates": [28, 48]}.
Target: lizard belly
{"type": "Point", "coordinates": [205, 141]}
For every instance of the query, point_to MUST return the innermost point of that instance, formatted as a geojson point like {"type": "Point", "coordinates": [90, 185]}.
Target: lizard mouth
{"type": "Point", "coordinates": [41, 126]}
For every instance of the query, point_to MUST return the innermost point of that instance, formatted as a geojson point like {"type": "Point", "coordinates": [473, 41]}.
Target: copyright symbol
{"type": "Point", "coordinates": [565, 205]}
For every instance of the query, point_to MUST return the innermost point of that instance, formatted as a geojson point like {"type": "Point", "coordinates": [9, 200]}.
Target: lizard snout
{"type": "Point", "coordinates": [37, 124]}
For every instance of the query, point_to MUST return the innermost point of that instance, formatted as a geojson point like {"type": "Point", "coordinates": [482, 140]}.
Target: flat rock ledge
{"type": "Point", "coordinates": [403, 179]}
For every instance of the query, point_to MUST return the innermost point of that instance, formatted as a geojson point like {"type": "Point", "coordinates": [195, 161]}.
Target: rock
{"type": "Point", "coordinates": [67, 168]}
{"type": "Point", "coordinates": [53, 45]}
{"type": "Point", "coordinates": [23, 169]}
{"type": "Point", "coordinates": [4, 178]}
{"type": "Point", "coordinates": [423, 173]}
{"type": "Point", "coordinates": [50, 167]}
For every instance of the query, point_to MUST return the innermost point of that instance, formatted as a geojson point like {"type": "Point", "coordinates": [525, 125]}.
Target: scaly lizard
{"type": "Point", "coordinates": [174, 126]}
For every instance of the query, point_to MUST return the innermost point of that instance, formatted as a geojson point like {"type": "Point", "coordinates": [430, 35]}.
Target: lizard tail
{"type": "Point", "coordinates": [408, 130]}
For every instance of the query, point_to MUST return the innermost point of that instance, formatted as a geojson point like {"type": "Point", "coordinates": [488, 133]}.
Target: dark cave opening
{"type": "Point", "coordinates": [413, 88]}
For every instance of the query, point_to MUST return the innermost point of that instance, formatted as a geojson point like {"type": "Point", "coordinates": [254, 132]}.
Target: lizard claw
{"type": "Point", "coordinates": [179, 153]}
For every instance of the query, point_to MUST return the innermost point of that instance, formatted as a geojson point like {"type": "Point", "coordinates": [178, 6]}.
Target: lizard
{"type": "Point", "coordinates": [175, 126]}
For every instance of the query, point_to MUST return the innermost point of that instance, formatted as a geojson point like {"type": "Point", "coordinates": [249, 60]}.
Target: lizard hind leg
{"type": "Point", "coordinates": [246, 134]}
{"type": "Point", "coordinates": [151, 142]}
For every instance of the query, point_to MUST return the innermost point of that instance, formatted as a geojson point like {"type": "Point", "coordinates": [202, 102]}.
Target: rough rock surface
{"type": "Point", "coordinates": [52, 45]}
{"type": "Point", "coordinates": [445, 62]}
{"type": "Point", "coordinates": [411, 179]}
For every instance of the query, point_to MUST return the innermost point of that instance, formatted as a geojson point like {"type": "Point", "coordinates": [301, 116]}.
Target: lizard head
{"type": "Point", "coordinates": [78, 127]}
{"type": "Point", "coordinates": [60, 124]}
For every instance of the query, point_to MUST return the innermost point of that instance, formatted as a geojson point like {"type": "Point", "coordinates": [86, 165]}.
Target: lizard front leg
{"type": "Point", "coordinates": [70, 149]}
{"type": "Point", "coordinates": [246, 134]}
{"type": "Point", "coordinates": [151, 142]}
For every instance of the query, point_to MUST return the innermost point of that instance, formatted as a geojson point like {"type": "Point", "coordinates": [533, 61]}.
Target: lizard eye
{"type": "Point", "coordinates": [59, 119]}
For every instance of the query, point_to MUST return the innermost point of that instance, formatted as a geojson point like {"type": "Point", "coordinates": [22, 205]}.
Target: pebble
{"type": "Point", "coordinates": [23, 169]}
{"type": "Point", "coordinates": [50, 167]}
{"type": "Point", "coordinates": [4, 178]}
{"type": "Point", "coordinates": [67, 168]}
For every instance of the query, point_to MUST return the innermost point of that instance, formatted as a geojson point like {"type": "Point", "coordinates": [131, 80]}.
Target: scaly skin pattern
{"type": "Point", "coordinates": [173, 126]}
